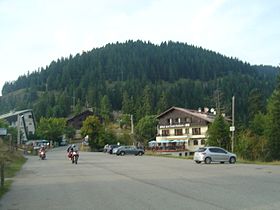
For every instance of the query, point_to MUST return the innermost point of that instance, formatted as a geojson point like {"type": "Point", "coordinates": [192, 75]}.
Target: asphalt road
{"type": "Point", "coordinates": [102, 181]}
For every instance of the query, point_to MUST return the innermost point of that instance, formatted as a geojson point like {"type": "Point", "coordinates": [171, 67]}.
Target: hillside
{"type": "Point", "coordinates": [139, 78]}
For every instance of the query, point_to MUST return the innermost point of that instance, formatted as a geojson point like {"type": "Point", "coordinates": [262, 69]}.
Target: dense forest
{"type": "Point", "coordinates": [141, 78]}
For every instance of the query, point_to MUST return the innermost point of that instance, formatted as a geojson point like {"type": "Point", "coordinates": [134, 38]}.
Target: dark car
{"type": "Point", "coordinates": [111, 147]}
{"type": "Point", "coordinates": [129, 150]}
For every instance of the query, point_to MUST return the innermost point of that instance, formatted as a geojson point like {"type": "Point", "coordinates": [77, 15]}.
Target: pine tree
{"type": "Point", "coordinates": [273, 124]}
{"type": "Point", "coordinates": [218, 133]}
{"type": "Point", "coordinates": [105, 108]}
{"type": "Point", "coordinates": [147, 101]}
{"type": "Point", "coordinates": [255, 104]}
{"type": "Point", "coordinates": [162, 104]}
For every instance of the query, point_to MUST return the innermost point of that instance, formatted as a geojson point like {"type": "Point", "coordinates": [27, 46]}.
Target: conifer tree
{"type": "Point", "coordinates": [105, 108]}
{"type": "Point", "coordinates": [218, 133]}
{"type": "Point", "coordinates": [273, 124]}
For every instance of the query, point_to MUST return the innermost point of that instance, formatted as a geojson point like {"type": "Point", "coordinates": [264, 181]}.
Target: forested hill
{"type": "Point", "coordinates": [139, 78]}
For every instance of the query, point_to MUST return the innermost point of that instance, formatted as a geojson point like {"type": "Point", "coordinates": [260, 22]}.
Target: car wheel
{"type": "Point", "coordinates": [232, 160]}
{"type": "Point", "coordinates": [122, 153]}
{"type": "Point", "coordinates": [140, 153]}
{"type": "Point", "coordinates": [198, 162]}
{"type": "Point", "coordinates": [207, 160]}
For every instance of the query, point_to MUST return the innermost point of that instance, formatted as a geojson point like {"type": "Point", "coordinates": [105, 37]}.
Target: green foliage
{"type": "Point", "coordinates": [273, 124]}
{"type": "Point", "coordinates": [105, 108]}
{"type": "Point", "coordinates": [127, 104]}
{"type": "Point", "coordinates": [125, 121]}
{"type": "Point", "coordinates": [251, 146]}
{"type": "Point", "coordinates": [163, 103]}
{"type": "Point", "coordinates": [3, 124]}
{"type": "Point", "coordinates": [69, 132]}
{"type": "Point", "coordinates": [218, 133]}
{"type": "Point", "coordinates": [138, 78]}
{"type": "Point", "coordinates": [51, 128]}
{"type": "Point", "coordinates": [95, 130]}
{"type": "Point", "coordinates": [146, 129]}
{"type": "Point", "coordinates": [255, 103]}
{"type": "Point", "coordinates": [257, 125]}
{"type": "Point", "coordinates": [10, 130]}
{"type": "Point", "coordinates": [125, 139]}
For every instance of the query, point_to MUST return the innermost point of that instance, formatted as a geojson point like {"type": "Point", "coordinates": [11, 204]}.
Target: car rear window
{"type": "Point", "coordinates": [201, 149]}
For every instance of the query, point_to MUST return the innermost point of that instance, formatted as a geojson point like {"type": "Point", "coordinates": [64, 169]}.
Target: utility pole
{"type": "Point", "coordinates": [232, 128]}
{"type": "Point", "coordinates": [18, 130]}
{"type": "Point", "coordinates": [73, 100]}
{"type": "Point", "coordinates": [132, 125]}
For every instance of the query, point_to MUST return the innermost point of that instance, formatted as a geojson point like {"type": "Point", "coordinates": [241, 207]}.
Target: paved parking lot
{"type": "Point", "coordinates": [104, 181]}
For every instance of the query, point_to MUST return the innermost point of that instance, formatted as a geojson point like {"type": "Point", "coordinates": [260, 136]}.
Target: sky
{"type": "Point", "coordinates": [33, 33]}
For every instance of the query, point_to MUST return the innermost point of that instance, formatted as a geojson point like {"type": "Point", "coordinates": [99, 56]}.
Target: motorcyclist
{"type": "Point", "coordinates": [71, 149]}
{"type": "Point", "coordinates": [42, 151]}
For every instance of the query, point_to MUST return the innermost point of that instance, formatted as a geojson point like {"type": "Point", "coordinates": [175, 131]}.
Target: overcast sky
{"type": "Point", "coordinates": [35, 32]}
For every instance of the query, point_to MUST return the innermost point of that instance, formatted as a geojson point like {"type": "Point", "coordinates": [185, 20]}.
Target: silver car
{"type": "Point", "coordinates": [213, 154]}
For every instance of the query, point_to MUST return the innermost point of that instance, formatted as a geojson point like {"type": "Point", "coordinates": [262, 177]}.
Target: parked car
{"type": "Point", "coordinates": [36, 144]}
{"type": "Point", "coordinates": [111, 147]}
{"type": "Point", "coordinates": [114, 151]}
{"type": "Point", "coordinates": [63, 142]}
{"type": "Point", "coordinates": [213, 154]}
{"type": "Point", "coordinates": [129, 150]}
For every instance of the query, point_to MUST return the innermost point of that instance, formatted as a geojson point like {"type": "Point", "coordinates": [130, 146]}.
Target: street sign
{"type": "Point", "coordinates": [232, 128]}
{"type": "Point", "coordinates": [3, 131]}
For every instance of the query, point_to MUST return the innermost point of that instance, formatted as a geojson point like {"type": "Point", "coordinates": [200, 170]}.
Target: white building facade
{"type": "Point", "coordinates": [183, 125]}
{"type": "Point", "coordinates": [23, 121]}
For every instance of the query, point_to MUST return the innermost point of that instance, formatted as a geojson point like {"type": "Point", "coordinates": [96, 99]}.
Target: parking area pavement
{"type": "Point", "coordinates": [104, 181]}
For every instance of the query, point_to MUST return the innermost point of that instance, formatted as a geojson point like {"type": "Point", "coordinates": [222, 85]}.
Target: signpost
{"type": "Point", "coordinates": [232, 127]}
{"type": "Point", "coordinates": [3, 150]}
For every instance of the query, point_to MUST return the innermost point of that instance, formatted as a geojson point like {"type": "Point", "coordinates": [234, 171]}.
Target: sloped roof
{"type": "Point", "coordinates": [201, 115]}
{"type": "Point", "coordinates": [87, 111]}
{"type": "Point", "coordinates": [14, 113]}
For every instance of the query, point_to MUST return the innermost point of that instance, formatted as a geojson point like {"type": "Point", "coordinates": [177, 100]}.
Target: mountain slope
{"type": "Point", "coordinates": [147, 78]}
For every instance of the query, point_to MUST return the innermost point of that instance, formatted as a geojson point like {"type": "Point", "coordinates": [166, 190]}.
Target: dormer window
{"type": "Point", "coordinates": [177, 120]}
{"type": "Point", "coordinates": [169, 121]}
{"type": "Point", "coordinates": [188, 120]}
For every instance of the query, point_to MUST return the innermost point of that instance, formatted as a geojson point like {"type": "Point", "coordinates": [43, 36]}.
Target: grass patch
{"type": "Point", "coordinates": [275, 163]}
{"type": "Point", "coordinates": [16, 160]}
{"type": "Point", "coordinates": [6, 187]}
{"type": "Point", "coordinates": [14, 166]}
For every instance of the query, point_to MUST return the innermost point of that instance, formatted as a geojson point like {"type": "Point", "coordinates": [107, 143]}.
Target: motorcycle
{"type": "Point", "coordinates": [42, 155]}
{"type": "Point", "coordinates": [74, 156]}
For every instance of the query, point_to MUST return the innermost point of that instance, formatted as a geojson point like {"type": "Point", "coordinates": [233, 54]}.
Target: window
{"type": "Point", "coordinates": [165, 132]}
{"type": "Point", "coordinates": [30, 116]}
{"type": "Point", "coordinates": [202, 142]}
{"type": "Point", "coordinates": [217, 150]}
{"type": "Point", "coordinates": [196, 131]}
{"type": "Point", "coordinates": [201, 149]}
{"type": "Point", "coordinates": [178, 132]}
{"type": "Point", "coordinates": [177, 120]}
{"type": "Point", "coordinates": [195, 142]}
{"type": "Point", "coordinates": [187, 131]}
{"type": "Point", "coordinates": [169, 121]}
{"type": "Point", "coordinates": [188, 119]}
